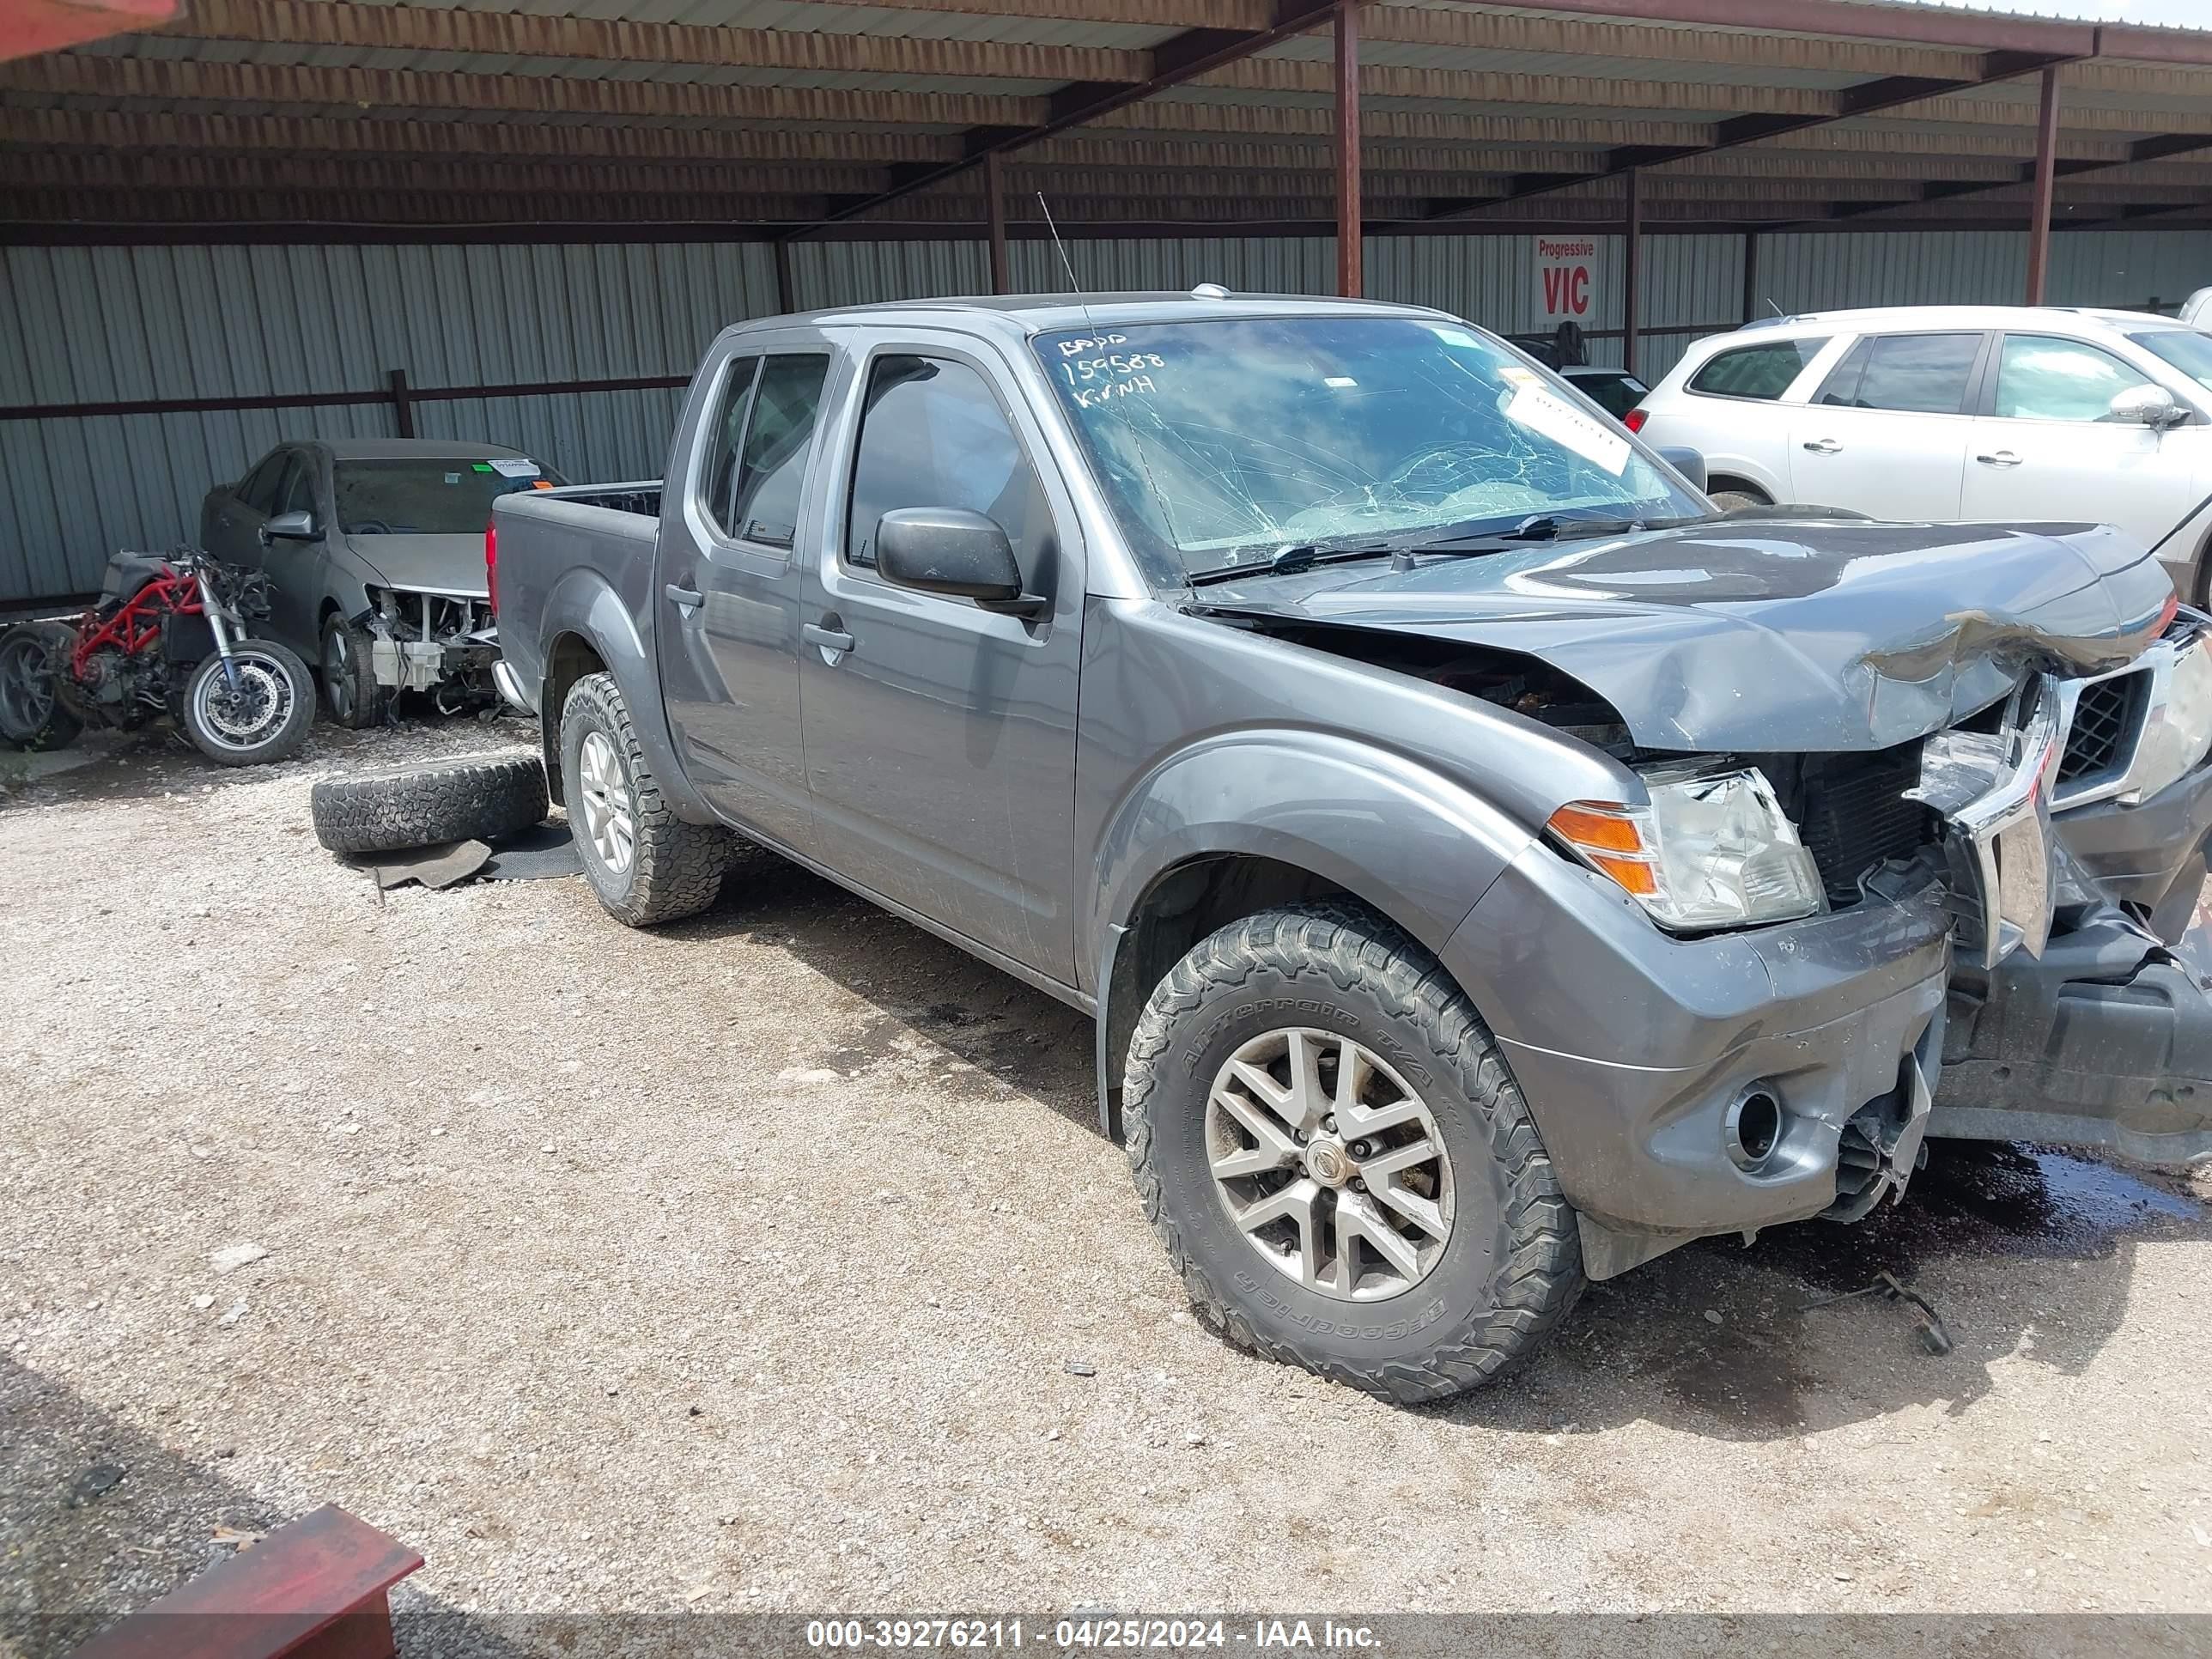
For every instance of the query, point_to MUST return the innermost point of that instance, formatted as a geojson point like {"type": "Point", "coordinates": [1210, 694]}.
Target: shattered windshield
{"type": "Point", "coordinates": [1220, 444]}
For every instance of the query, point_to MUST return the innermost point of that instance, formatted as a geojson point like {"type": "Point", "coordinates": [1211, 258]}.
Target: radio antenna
{"type": "Point", "coordinates": [1143, 461]}
{"type": "Point", "coordinates": [1066, 264]}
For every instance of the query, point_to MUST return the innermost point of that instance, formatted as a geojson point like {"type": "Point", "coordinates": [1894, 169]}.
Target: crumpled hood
{"type": "Point", "coordinates": [1765, 635]}
{"type": "Point", "coordinates": [442, 564]}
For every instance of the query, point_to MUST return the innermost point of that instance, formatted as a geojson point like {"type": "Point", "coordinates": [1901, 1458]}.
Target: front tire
{"type": "Point", "coordinates": [645, 864]}
{"type": "Point", "coordinates": [1326, 1138]}
{"type": "Point", "coordinates": [263, 717]}
{"type": "Point", "coordinates": [351, 692]}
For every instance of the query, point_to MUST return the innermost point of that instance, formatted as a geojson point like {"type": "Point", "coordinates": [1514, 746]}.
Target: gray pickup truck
{"type": "Point", "coordinates": [1487, 865]}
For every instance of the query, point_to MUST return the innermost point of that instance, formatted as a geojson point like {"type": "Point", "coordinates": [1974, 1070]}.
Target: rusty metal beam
{"type": "Point", "coordinates": [103, 170]}
{"type": "Point", "coordinates": [1867, 98]}
{"type": "Point", "coordinates": [2046, 183]}
{"type": "Point", "coordinates": [994, 221]}
{"type": "Point", "coordinates": [376, 136]}
{"type": "Point", "coordinates": [339, 23]}
{"type": "Point", "coordinates": [83, 231]}
{"type": "Point", "coordinates": [2066, 169]}
{"type": "Point", "coordinates": [171, 80]}
{"type": "Point", "coordinates": [1735, 48]}
{"type": "Point", "coordinates": [1172, 62]}
{"type": "Point", "coordinates": [1852, 21]}
{"type": "Point", "coordinates": [1826, 152]}
{"type": "Point", "coordinates": [1632, 230]}
{"type": "Point", "coordinates": [1351, 230]}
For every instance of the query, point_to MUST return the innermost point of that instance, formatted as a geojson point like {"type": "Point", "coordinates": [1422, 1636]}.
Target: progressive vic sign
{"type": "Point", "coordinates": [1566, 269]}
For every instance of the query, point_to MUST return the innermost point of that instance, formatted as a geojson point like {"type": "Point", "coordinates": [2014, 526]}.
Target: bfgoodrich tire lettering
{"type": "Point", "coordinates": [651, 866]}
{"type": "Point", "coordinates": [1512, 1265]}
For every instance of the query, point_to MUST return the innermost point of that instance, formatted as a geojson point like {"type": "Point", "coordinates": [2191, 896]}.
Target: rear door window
{"type": "Point", "coordinates": [779, 438]}
{"type": "Point", "coordinates": [1763, 372]}
{"type": "Point", "coordinates": [933, 435]}
{"type": "Point", "coordinates": [724, 439]}
{"type": "Point", "coordinates": [1910, 373]}
{"type": "Point", "coordinates": [2041, 377]}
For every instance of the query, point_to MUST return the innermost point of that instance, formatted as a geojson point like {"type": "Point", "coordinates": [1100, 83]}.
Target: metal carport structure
{"type": "Point", "coordinates": [832, 148]}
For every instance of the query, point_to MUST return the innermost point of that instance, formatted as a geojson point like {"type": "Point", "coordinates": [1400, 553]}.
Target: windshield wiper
{"type": "Point", "coordinates": [1553, 527]}
{"type": "Point", "coordinates": [1291, 560]}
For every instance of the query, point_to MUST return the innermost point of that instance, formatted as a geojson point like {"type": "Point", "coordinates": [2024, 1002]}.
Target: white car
{"type": "Point", "coordinates": [1937, 413]}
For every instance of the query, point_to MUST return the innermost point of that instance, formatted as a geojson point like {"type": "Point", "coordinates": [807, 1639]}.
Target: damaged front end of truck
{"type": "Point", "coordinates": [1985, 750]}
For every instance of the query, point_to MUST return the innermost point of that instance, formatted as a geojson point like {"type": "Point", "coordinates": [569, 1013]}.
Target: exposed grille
{"type": "Point", "coordinates": [1852, 814]}
{"type": "Point", "coordinates": [2105, 721]}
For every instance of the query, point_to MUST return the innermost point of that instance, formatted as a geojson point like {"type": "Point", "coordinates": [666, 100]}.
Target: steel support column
{"type": "Point", "coordinates": [2046, 183]}
{"type": "Point", "coordinates": [1750, 275]}
{"type": "Point", "coordinates": [785, 301]}
{"type": "Point", "coordinates": [1349, 238]}
{"type": "Point", "coordinates": [1631, 274]}
{"type": "Point", "coordinates": [995, 214]}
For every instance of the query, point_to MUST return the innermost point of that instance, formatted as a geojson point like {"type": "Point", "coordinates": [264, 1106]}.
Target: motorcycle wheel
{"type": "Point", "coordinates": [265, 718]}
{"type": "Point", "coordinates": [31, 714]}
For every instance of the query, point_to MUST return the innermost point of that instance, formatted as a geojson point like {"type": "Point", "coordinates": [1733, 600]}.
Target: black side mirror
{"type": "Point", "coordinates": [952, 550]}
{"type": "Point", "coordinates": [290, 528]}
{"type": "Point", "coordinates": [1690, 463]}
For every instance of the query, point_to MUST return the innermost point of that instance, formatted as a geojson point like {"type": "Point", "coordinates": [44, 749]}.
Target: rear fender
{"type": "Point", "coordinates": [1392, 833]}
{"type": "Point", "coordinates": [583, 605]}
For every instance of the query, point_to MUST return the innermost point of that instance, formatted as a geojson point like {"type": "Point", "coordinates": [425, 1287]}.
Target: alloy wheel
{"type": "Point", "coordinates": [245, 717]}
{"type": "Point", "coordinates": [609, 821]}
{"type": "Point", "coordinates": [338, 672]}
{"type": "Point", "coordinates": [1330, 1164]}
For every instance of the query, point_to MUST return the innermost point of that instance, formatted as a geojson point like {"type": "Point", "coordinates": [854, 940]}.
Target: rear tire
{"type": "Point", "coordinates": [31, 712]}
{"type": "Point", "coordinates": [473, 798]}
{"type": "Point", "coordinates": [645, 864]}
{"type": "Point", "coordinates": [1433, 1133]}
{"type": "Point", "coordinates": [1728, 500]}
{"type": "Point", "coordinates": [265, 719]}
{"type": "Point", "coordinates": [351, 692]}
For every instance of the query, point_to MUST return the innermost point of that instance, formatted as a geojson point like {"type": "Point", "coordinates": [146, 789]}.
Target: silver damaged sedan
{"type": "Point", "coordinates": [375, 551]}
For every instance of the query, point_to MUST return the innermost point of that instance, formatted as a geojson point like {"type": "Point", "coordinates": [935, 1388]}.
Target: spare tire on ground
{"type": "Point", "coordinates": [471, 798]}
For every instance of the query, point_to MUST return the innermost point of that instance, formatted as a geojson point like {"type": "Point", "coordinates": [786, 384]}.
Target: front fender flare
{"type": "Point", "coordinates": [1396, 833]}
{"type": "Point", "coordinates": [583, 602]}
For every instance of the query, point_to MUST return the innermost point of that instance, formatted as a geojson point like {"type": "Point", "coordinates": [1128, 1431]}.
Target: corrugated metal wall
{"type": "Point", "coordinates": [112, 325]}
{"type": "Point", "coordinates": [118, 324]}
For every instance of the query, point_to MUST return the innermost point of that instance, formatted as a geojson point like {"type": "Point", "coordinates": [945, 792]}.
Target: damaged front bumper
{"type": "Point", "coordinates": [426, 641]}
{"type": "Point", "coordinates": [2106, 1041]}
{"type": "Point", "coordinates": [1642, 1057]}
{"type": "Point", "coordinates": [1994, 987]}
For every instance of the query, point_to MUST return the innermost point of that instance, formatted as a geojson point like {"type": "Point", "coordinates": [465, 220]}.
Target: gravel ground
{"type": "Point", "coordinates": [774, 1261]}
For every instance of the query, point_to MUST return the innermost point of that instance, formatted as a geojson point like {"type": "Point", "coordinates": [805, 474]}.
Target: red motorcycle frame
{"type": "Point", "coordinates": [138, 623]}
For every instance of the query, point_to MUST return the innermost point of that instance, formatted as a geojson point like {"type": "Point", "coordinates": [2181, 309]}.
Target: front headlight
{"type": "Point", "coordinates": [2179, 730]}
{"type": "Point", "coordinates": [1711, 850]}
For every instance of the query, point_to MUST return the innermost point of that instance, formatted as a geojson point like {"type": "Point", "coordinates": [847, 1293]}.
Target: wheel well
{"type": "Point", "coordinates": [1720, 481]}
{"type": "Point", "coordinates": [1183, 905]}
{"type": "Point", "coordinates": [568, 659]}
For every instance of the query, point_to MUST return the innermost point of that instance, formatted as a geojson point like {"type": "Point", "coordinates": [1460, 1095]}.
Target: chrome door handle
{"type": "Point", "coordinates": [2002, 457]}
{"type": "Point", "coordinates": [1824, 446]}
{"type": "Point", "coordinates": [829, 639]}
{"type": "Point", "coordinates": [684, 595]}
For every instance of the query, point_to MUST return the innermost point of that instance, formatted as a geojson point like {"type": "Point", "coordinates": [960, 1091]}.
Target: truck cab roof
{"type": "Point", "coordinates": [1043, 314]}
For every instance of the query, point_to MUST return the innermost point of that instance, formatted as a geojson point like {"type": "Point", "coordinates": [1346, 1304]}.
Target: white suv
{"type": "Point", "coordinates": [1935, 413]}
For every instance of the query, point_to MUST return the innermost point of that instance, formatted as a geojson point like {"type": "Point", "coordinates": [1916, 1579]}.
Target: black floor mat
{"type": "Point", "coordinates": [533, 854]}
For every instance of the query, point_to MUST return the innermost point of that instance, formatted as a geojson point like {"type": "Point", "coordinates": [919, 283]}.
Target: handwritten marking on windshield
{"type": "Point", "coordinates": [1092, 397]}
